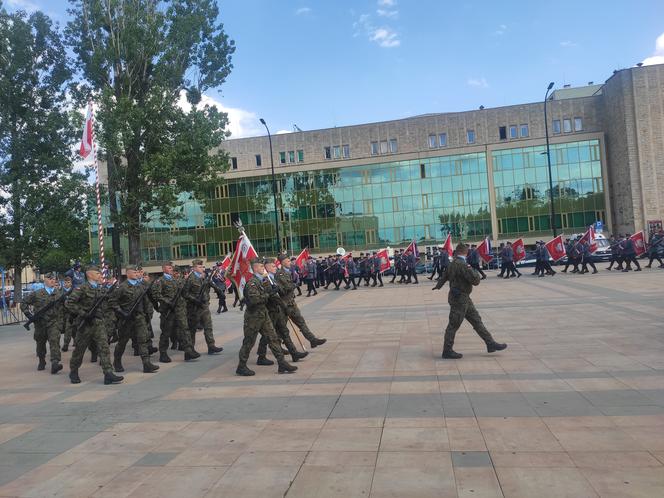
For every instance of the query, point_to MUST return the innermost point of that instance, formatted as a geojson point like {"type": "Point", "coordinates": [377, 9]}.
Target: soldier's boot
{"type": "Point", "coordinates": [93, 357]}
{"type": "Point", "coordinates": [285, 351]}
{"type": "Point", "coordinates": [136, 353]}
{"type": "Point", "coordinates": [55, 367]}
{"type": "Point", "coordinates": [450, 354]}
{"type": "Point", "coordinates": [164, 358]}
{"type": "Point", "coordinates": [191, 355]}
{"type": "Point", "coordinates": [214, 349]}
{"type": "Point", "coordinates": [73, 376]}
{"type": "Point", "coordinates": [243, 370]}
{"type": "Point", "coordinates": [65, 348]}
{"type": "Point", "coordinates": [180, 347]}
{"type": "Point", "coordinates": [285, 367]}
{"type": "Point", "coordinates": [42, 363]}
{"type": "Point", "coordinates": [117, 363]}
{"type": "Point", "coordinates": [317, 342]}
{"type": "Point", "coordinates": [152, 349]}
{"type": "Point", "coordinates": [174, 345]}
{"type": "Point", "coordinates": [263, 361]}
{"type": "Point", "coordinates": [297, 356]}
{"type": "Point", "coordinates": [149, 367]}
{"type": "Point", "coordinates": [111, 378]}
{"type": "Point", "coordinates": [494, 346]}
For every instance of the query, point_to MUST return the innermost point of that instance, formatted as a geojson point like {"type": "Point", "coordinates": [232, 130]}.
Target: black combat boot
{"type": "Point", "coordinates": [73, 376]}
{"type": "Point", "coordinates": [191, 355]}
{"type": "Point", "coordinates": [164, 358]}
{"type": "Point", "coordinates": [492, 347]}
{"type": "Point", "coordinates": [263, 361]}
{"type": "Point", "coordinates": [117, 364]}
{"type": "Point", "coordinates": [152, 349]}
{"type": "Point", "coordinates": [214, 349]}
{"type": "Point", "coordinates": [317, 342]}
{"type": "Point", "coordinates": [174, 345]}
{"type": "Point", "coordinates": [111, 378]}
{"type": "Point", "coordinates": [149, 367]}
{"type": "Point", "coordinates": [55, 367]}
{"type": "Point", "coordinates": [65, 348]}
{"type": "Point", "coordinates": [450, 354]}
{"type": "Point", "coordinates": [285, 367]}
{"type": "Point", "coordinates": [243, 370]}
{"type": "Point", "coordinates": [180, 347]}
{"type": "Point", "coordinates": [93, 357]}
{"type": "Point", "coordinates": [297, 356]}
{"type": "Point", "coordinates": [42, 363]}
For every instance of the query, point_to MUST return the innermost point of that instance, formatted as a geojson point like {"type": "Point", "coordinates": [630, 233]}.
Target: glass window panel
{"type": "Point", "coordinates": [578, 124]}
{"type": "Point", "coordinates": [470, 136]}
{"type": "Point", "coordinates": [524, 130]}
{"type": "Point", "coordinates": [442, 138]}
{"type": "Point", "coordinates": [513, 131]}
{"type": "Point", "coordinates": [556, 126]}
{"type": "Point", "coordinates": [567, 125]}
{"type": "Point", "coordinates": [433, 141]}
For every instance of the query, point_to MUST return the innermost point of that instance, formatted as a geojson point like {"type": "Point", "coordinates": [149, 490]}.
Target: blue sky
{"type": "Point", "coordinates": [328, 63]}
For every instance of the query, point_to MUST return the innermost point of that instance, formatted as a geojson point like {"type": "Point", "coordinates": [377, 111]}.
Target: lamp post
{"type": "Point", "coordinates": [548, 162]}
{"type": "Point", "coordinates": [274, 187]}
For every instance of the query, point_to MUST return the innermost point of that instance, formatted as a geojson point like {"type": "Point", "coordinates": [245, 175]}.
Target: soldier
{"type": "Point", "coordinates": [629, 254]}
{"type": "Point", "coordinates": [67, 318]}
{"type": "Point", "coordinates": [572, 256]}
{"type": "Point", "coordinates": [348, 268]}
{"type": "Point", "coordinates": [616, 253]}
{"type": "Point", "coordinates": [46, 304]}
{"type": "Point", "coordinates": [197, 294]}
{"type": "Point", "coordinates": [218, 283]}
{"type": "Point", "coordinates": [150, 305]}
{"type": "Point", "coordinates": [173, 318]}
{"type": "Point", "coordinates": [586, 257]}
{"type": "Point", "coordinates": [411, 267]}
{"type": "Point", "coordinates": [473, 261]}
{"type": "Point", "coordinates": [375, 261]}
{"type": "Point", "coordinates": [286, 287]}
{"type": "Point", "coordinates": [435, 265]}
{"type": "Point", "coordinates": [364, 270]}
{"type": "Point", "coordinates": [76, 275]}
{"type": "Point", "coordinates": [85, 303]}
{"type": "Point", "coordinates": [257, 321]}
{"type": "Point", "coordinates": [462, 278]}
{"type": "Point", "coordinates": [655, 247]}
{"type": "Point", "coordinates": [397, 266]}
{"type": "Point", "coordinates": [320, 276]}
{"type": "Point", "coordinates": [311, 276]}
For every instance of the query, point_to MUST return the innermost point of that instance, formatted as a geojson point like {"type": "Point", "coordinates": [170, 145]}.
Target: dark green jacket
{"type": "Point", "coordinates": [461, 277]}
{"type": "Point", "coordinates": [126, 295]}
{"type": "Point", "coordinates": [256, 296]}
{"type": "Point", "coordinates": [286, 286]}
{"type": "Point", "coordinates": [38, 300]}
{"type": "Point", "coordinates": [81, 300]}
{"type": "Point", "coordinates": [192, 290]}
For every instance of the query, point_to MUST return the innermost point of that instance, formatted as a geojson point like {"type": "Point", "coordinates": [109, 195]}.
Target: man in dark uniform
{"type": "Point", "coordinates": [572, 256]}
{"type": "Point", "coordinates": [68, 328]}
{"type": "Point", "coordinates": [462, 278]}
{"type": "Point", "coordinates": [218, 283]}
{"type": "Point", "coordinates": [629, 254]}
{"type": "Point", "coordinates": [375, 270]}
{"type": "Point", "coordinates": [473, 261]}
{"type": "Point", "coordinates": [411, 266]}
{"type": "Point", "coordinates": [311, 276]}
{"type": "Point", "coordinates": [616, 252]}
{"type": "Point", "coordinates": [76, 275]}
{"type": "Point", "coordinates": [435, 265]}
{"type": "Point", "coordinates": [197, 294]}
{"type": "Point", "coordinates": [655, 248]}
{"type": "Point", "coordinates": [586, 257]}
{"type": "Point", "coordinates": [396, 268]}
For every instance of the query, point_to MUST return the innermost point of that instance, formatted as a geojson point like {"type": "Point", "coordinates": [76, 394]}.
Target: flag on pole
{"type": "Point", "coordinates": [412, 248]}
{"type": "Point", "coordinates": [639, 240]}
{"type": "Point", "coordinates": [224, 266]}
{"type": "Point", "coordinates": [87, 139]}
{"type": "Point", "coordinates": [447, 246]}
{"type": "Point", "coordinates": [556, 248]}
{"type": "Point", "coordinates": [240, 266]}
{"type": "Point", "coordinates": [384, 257]}
{"type": "Point", "coordinates": [519, 250]}
{"type": "Point", "coordinates": [484, 250]}
{"type": "Point", "coordinates": [589, 238]}
{"type": "Point", "coordinates": [302, 258]}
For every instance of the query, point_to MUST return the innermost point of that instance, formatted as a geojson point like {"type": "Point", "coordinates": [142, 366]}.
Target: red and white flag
{"type": "Point", "coordinates": [240, 266]}
{"type": "Point", "coordinates": [224, 266]}
{"type": "Point", "coordinates": [589, 237]}
{"type": "Point", "coordinates": [639, 240]}
{"type": "Point", "coordinates": [87, 139]}
{"type": "Point", "coordinates": [384, 260]}
{"type": "Point", "coordinates": [484, 250]}
{"type": "Point", "coordinates": [302, 258]}
{"type": "Point", "coordinates": [556, 248]}
{"type": "Point", "coordinates": [447, 246]}
{"type": "Point", "coordinates": [519, 250]}
{"type": "Point", "coordinates": [412, 248]}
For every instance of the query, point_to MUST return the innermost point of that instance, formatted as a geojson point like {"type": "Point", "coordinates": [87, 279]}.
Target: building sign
{"type": "Point", "coordinates": [654, 226]}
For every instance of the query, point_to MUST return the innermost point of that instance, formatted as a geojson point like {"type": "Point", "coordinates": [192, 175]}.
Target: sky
{"type": "Point", "coordinates": [325, 63]}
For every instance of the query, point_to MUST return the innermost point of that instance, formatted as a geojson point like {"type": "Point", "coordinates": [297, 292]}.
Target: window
{"type": "Point", "coordinates": [336, 152]}
{"type": "Point", "coordinates": [425, 201]}
{"type": "Point", "coordinates": [513, 131]}
{"type": "Point", "coordinates": [225, 248]}
{"type": "Point", "coordinates": [567, 125]}
{"type": "Point", "coordinates": [291, 156]}
{"type": "Point", "coordinates": [423, 171]}
{"type": "Point", "coordinates": [300, 156]}
{"type": "Point", "coordinates": [175, 252]}
{"type": "Point", "coordinates": [383, 146]}
{"type": "Point", "coordinates": [346, 151]}
{"type": "Point", "coordinates": [556, 126]}
{"type": "Point", "coordinates": [374, 148]}
{"type": "Point", "coordinates": [328, 152]}
{"type": "Point", "coordinates": [395, 204]}
{"type": "Point", "coordinates": [442, 139]}
{"type": "Point", "coordinates": [223, 219]}
{"type": "Point", "coordinates": [201, 250]}
{"type": "Point", "coordinates": [470, 136]}
{"type": "Point", "coordinates": [433, 141]}
{"type": "Point", "coordinates": [524, 130]}
{"type": "Point", "coordinates": [393, 145]}
{"type": "Point", "coordinates": [221, 191]}
{"type": "Point", "coordinates": [370, 236]}
{"type": "Point", "coordinates": [578, 124]}
{"type": "Point", "coordinates": [259, 162]}
{"type": "Point", "coordinates": [282, 157]}
{"type": "Point", "coordinates": [368, 206]}
{"type": "Point", "coordinates": [502, 132]}
{"type": "Point", "coordinates": [234, 162]}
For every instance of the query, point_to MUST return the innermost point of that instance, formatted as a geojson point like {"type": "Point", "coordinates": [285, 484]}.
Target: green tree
{"type": "Point", "coordinates": [137, 57]}
{"type": "Point", "coordinates": [41, 199]}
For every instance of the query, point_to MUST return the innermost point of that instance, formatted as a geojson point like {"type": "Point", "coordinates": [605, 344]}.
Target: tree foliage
{"type": "Point", "coordinates": [137, 59]}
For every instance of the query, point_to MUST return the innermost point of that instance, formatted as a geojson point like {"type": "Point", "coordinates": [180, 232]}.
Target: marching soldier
{"type": "Point", "coordinates": [655, 248]}
{"type": "Point", "coordinates": [86, 304]}
{"type": "Point", "coordinates": [586, 257]}
{"type": "Point", "coordinates": [629, 254]}
{"type": "Point", "coordinates": [67, 318]}
{"type": "Point", "coordinates": [411, 266]}
{"type": "Point", "coordinates": [311, 276]}
{"type": "Point", "coordinates": [197, 294]}
{"type": "Point", "coordinates": [473, 261]}
{"type": "Point", "coordinates": [218, 283]}
{"type": "Point", "coordinates": [397, 266]}
{"type": "Point", "coordinates": [616, 253]}
{"type": "Point", "coordinates": [375, 262]}
{"type": "Point", "coordinates": [47, 314]}
{"type": "Point", "coordinates": [435, 266]}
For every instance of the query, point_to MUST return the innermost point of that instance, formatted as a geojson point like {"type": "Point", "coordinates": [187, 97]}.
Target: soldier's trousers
{"type": "Point", "coordinates": [69, 327]}
{"type": "Point", "coordinates": [279, 322]}
{"type": "Point", "coordinates": [462, 307]}
{"type": "Point", "coordinates": [174, 326]}
{"type": "Point", "coordinates": [136, 327]}
{"type": "Point", "coordinates": [92, 335]}
{"type": "Point", "coordinates": [258, 322]}
{"type": "Point", "coordinates": [44, 334]}
{"type": "Point", "coordinates": [200, 314]}
{"type": "Point", "coordinates": [293, 312]}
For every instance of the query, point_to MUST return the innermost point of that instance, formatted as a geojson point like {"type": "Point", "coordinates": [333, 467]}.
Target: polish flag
{"type": "Point", "coordinates": [240, 266]}
{"type": "Point", "coordinates": [224, 266]}
{"type": "Point", "coordinates": [556, 248]}
{"type": "Point", "coordinates": [447, 246]}
{"type": "Point", "coordinates": [302, 258]}
{"type": "Point", "coordinates": [484, 250]}
{"type": "Point", "coordinates": [87, 139]}
{"type": "Point", "coordinates": [589, 237]}
{"type": "Point", "coordinates": [639, 240]}
{"type": "Point", "coordinates": [384, 260]}
{"type": "Point", "coordinates": [519, 250]}
{"type": "Point", "coordinates": [412, 248]}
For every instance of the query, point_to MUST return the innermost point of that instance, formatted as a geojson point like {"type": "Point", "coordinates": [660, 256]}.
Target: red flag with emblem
{"type": "Point", "coordinates": [224, 266]}
{"type": "Point", "coordinates": [519, 250]}
{"type": "Point", "coordinates": [412, 248]}
{"type": "Point", "coordinates": [639, 240]}
{"type": "Point", "coordinates": [384, 257]}
{"type": "Point", "coordinates": [240, 266]}
{"type": "Point", "coordinates": [447, 246]}
{"type": "Point", "coordinates": [302, 258]}
{"type": "Point", "coordinates": [589, 237]}
{"type": "Point", "coordinates": [86, 140]}
{"type": "Point", "coordinates": [484, 250]}
{"type": "Point", "coordinates": [556, 248]}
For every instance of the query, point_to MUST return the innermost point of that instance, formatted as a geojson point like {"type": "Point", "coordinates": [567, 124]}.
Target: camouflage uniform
{"type": "Point", "coordinates": [286, 287]}
{"type": "Point", "coordinates": [198, 307]}
{"type": "Point", "coordinates": [275, 308]}
{"type": "Point", "coordinates": [67, 324]}
{"type": "Point", "coordinates": [47, 327]}
{"type": "Point", "coordinates": [173, 319]}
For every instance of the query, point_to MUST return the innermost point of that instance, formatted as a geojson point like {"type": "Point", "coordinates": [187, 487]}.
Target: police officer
{"type": "Point", "coordinates": [396, 268]}
{"type": "Point", "coordinates": [411, 266]}
{"type": "Point", "coordinates": [435, 265]}
{"type": "Point", "coordinates": [311, 275]}
{"type": "Point", "coordinates": [375, 265]}
{"type": "Point", "coordinates": [572, 256]}
{"type": "Point", "coordinates": [473, 260]}
{"type": "Point", "coordinates": [655, 248]}
{"type": "Point", "coordinates": [218, 283]}
{"type": "Point", "coordinates": [629, 254]}
{"type": "Point", "coordinates": [586, 257]}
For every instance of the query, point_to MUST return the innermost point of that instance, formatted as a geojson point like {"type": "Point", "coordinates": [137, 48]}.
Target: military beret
{"type": "Point", "coordinates": [92, 268]}
{"type": "Point", "coordinates": [197, 262]}
{"type": "Point", "coordinates": [134, 267]}
{"type": "Point", "coordinates": [50, 274]}
{"type": "Point", "coordinates": [281, 257]}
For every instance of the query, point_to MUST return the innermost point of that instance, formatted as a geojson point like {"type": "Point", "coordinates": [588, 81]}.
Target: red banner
{"type": "Point", "coordinates": [484, 250]}
{"type": "Point", "coordinates": [224, 266]}
{"type": "Point", "coordinates": [589, 237]}
{"type": "Point", "coordinates": [240, 266]}
{"type": "Point", "coordinates": [639, 240]}
{"type": "Point", "coordinates": [447, 246]}
{"type": "Point", "coordinates": [556, 248]}
{"type": "Point", "coordinates": [412, 249]}
{"type": "Point", "coordinates": [519, 250]}
{"type": "Point", "coordinates": [302, 258]}
{"type": "Point", "coordinates": [384, 260]}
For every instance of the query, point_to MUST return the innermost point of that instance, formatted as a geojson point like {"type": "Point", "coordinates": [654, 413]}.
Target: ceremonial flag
{"type": "Point", "coordinates": [447, 246]}
{"type": "Point", "coordinates": [224, 266]}
{"type": "Point", "coordinates": [589, 237]}
{"type": "Point", "coordinates": [240, 265]}
{"type": "Point", "coordinates": [302, 258]}
{"type": "Point", "coordinates": [639, 242]}
{"type": "Point", "coordinates": [519, 250]}
{"type": "Point", "coordinates": [86, 140]}
{"type": "Point", "coordinates": [412, 248]}
{"type": "Point", "coordinates": [384, 260]}
{"type": "Point", "coordinates": [556, 248]}
{"type": "Point", "coordinates": [346, 256]}
{"type": "Point", "coordinates": [484, 250]}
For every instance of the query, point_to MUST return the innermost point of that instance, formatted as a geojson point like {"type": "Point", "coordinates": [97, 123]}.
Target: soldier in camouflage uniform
{"type": "Point", "coordinates": [132, 322]}
{"type": "Point", "coordinates": [197, 294]}
{"type": "Point", "coordinates": [66, 317]}
{"type": "Point", "coordinates": [275, 308]}
{"type": "Point", "coordinates": [49, 325]}
{"type": "Point", "coordinates": [462, 278]}
{"type": "Point", "coordinates": [89, 325]}
{"type": "Point", "coordinates": [286, 286]}
{"type": "Point", "coordinates": [257, 321]}
{"type": "Point", "coordinates": [173, 319]}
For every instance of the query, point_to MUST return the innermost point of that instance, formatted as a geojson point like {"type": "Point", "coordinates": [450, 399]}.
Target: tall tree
{"type": "Point", "coordinates": [41, 199]}
{"type": "Point", "coordinates": [137, 58]}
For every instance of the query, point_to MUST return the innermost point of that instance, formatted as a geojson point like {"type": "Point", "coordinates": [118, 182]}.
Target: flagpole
{"type": "Point", "coordinates": [100, 226]}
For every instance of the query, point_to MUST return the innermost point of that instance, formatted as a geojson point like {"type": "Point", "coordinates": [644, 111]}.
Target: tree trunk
{"type": "Point", "coordinates": [18, 283]}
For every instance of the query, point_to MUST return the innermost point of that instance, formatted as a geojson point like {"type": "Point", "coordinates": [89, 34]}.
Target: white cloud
{"type": "Point", "coordinates": [568, 43]}
{"type": "Point", "coordinates": [478, 82]}
{"type": "Point", "coordinates": [384, 36]}
{"type": "Point", "coordinates": [390, 14]}
{"type": "Point", "coordinates": [658, 56]}
{"type": "Point", "coordinates": [387, 3]}
{"type": "Point", "coordinates": [501, 30]}
{"type": "Point", "coordinates": [302, 11]}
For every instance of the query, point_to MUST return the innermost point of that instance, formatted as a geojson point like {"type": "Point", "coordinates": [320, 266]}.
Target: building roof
{"type": "Point", "coordinates": [576, 92]}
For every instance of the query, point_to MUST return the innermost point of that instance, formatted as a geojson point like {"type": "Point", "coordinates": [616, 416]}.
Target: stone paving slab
{"type": "Point", "coordinates": [574, 406]}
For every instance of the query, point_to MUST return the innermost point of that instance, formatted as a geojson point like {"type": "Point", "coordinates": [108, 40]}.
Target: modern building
{"type": "Point", "coordinates": [472, 174]}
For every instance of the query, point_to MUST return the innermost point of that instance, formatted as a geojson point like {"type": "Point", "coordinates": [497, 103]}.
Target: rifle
{"type": "Point", "coordinates": [171, 305]}
{"type": "Point", "coordinates": [90, 313]}
{"type": "Point", "coordinates": [206, 283]}
{"type": "Point", "coordinates": [137, 301]}
{"type": "Point", "coordinates": [43, 310]}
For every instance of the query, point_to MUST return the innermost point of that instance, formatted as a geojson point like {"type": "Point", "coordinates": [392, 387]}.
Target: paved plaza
{"type": "Point", "coordinates": [574, 407]}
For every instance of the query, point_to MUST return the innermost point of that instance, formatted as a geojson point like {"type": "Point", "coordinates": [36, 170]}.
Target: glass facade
{"type": "Point", "coordinates": [388, 203]}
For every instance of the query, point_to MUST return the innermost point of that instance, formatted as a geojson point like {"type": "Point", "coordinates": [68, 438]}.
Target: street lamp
{"type": "Point", "coordinates": [274, 188]}
{"type": "Point", "coordinates": [548, 161]}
